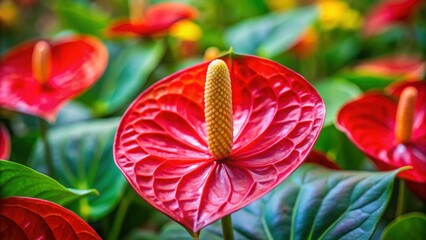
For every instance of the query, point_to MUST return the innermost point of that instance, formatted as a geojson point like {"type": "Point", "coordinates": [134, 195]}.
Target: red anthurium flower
{"type": "Point", "coordinates": [38, 77]}
{"type": "Point", "coordinates": [198, 158]}
{"type": "Point", "coordinates": [4, 142]}
{"type": "Point", "coordinates": [155, 20]}
{"type": "Point", "coordinates": [388, 13]}
{"type": "Point", "coordinates": [401, 66]}
{"type": "Point", "coordinates": [32, 218]}
{"type": "Point", "coordinates": [390, 131]}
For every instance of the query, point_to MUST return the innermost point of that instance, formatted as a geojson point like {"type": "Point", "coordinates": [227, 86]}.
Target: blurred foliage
{"type": "Point", "coordinates": [321, 40]}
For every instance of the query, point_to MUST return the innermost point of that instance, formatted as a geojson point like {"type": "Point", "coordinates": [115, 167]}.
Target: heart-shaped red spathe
{"type": "Point", "coordinates": [369, 122]}
{"type": "Point", "coordinates": [157, 19]}
{"type": "Point", "coordinates": [32, 218]}
{"type": "Point", "coordinates": [76, 63]}
{"type": "Point", "coordinates": [161, 144]}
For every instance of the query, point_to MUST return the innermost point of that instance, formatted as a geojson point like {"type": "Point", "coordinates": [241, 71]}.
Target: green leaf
{"type": "Point", "coordinates": [313, 203]}
{"type": "Point", "coordinates": [340, 53]}
{"type": "Point", "coordinates": [84, 18]}
{"type": "Point", "coordinates": [177, 232]}
{"type": "Point", "coordinates": [318, 203]}
{"type": "Point", "coordinates": [292, 26]}
{"type": "Point", "coordinates": [126, 75]}
{"type": "Point", "coordinates": [82, 156]}
{"type": "Point", "coordinates": [73, 112]}
{"type": "Point", "coordinates": [410, 226]}
{"type": "Point", "coordinates": [19, 180]}
{"type": "Point", "coordinates": [270, 34]}
{"type": "Point", "coordinates": [367, 81]}
{"type": "Point", "coordinates": [335, 94]}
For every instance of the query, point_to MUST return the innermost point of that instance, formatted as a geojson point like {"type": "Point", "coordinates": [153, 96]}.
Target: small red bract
{"type": "Point", "coordinates": [370, 122]}
{"type": "Point", "coordinates": [32, 218]}
{"type": "Point", "coordinates": [4, 142]}
{"type": "Point", "coordinates": [388, 13]}
{"type": "Point", "coordinates": [157, 19]}
{"type": "Point", "coordinates": [161, 143]}
{"type": "Point", "coordinates": [321, 159]}
{"type": "Point", "coordinates": [75, 64]}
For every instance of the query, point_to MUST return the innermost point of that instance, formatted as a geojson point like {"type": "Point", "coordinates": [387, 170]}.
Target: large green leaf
{"type": "Point", "coordinates": [82, 155]}
{"type": "Point", "coordinates": [335, 94]}
{"type": "Point", "coordinates": [73, 112]}
{"type": "Point", "coordinates": [85, 18]}
{"type": "Point", "coordinates": [126, 74]}
{"type": "Point", "coordinates": [410, 226]}
{"type": "Point", "coordinates": [313, 203]}
{"type": "Point", "coordinates": [271, 34]}
{"type": "Point", "coordinates": [292, 26]}
{"type": "Point", "coordinates": [19, 180]}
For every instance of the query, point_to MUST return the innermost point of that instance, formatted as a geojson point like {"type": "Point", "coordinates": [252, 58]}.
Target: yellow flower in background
{"type": "Point", "coordinates": [338, 14]}
{"type": "Point", "coordinates": [186, 31]}
{"type": "Point", "coordinates": [8, 13]}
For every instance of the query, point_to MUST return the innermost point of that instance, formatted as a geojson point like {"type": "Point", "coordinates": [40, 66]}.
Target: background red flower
{"type": "Point", "coordinates": [76, 63]}
{"type": "Point", "coordinates": [156, 20]}
{"type": "Point", "coordinates": [369, 122]}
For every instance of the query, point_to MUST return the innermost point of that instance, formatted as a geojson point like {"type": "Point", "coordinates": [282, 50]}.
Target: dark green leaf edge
{"type": "Point", "coordinates": [406, 217]}
{"type": "Point", "coordinates": [19, 180]}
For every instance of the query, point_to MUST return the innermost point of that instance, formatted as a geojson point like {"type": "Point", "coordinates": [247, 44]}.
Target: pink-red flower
{"type": "Point", "coordinates": [371, 123]}
{"type": "Point", "coordinates": [388, 13]}
{"type": "Point", "coordinates": [38, 77]}
{"type": "Point", "coordinates": [403, 67]}
{"type": "Point", "coordinates": [156, 20]}
{"type": "Point", "coordinates": [161, 143]}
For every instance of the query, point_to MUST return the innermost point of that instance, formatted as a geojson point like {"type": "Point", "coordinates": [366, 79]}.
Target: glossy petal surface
{"type": "Point", "coordinates": [157, 19]}
{"type": "Point", "coordinates": [4, 142]}
{"type": "Point", "coordinates": [32, 218]}
{"type": "Point", "coordinates": [77, 62]}
{"type": "Point", "coordinates": [369, 122]}
{"type": "Point", "coordinates": [388, 13]}
{"type": "Point", "coordinates": [161, 143]}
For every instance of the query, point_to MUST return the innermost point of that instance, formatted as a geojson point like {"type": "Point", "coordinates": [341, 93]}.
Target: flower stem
{"type": "Point", "coordinates": [195, 237]}
{"type": "Point", "coordinates": [227, 229]}
{"type": "Point", "coordinates": [400, 207]}
{"type": "Point", "coordinates": [47, 151]}
{"type": "Point", "coordinates": [119, 216]}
